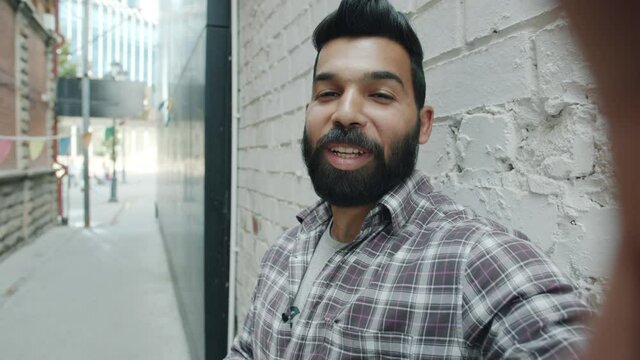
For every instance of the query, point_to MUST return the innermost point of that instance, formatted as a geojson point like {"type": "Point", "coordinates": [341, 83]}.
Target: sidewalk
{"type": "Point", "coordinates": [99, 293]}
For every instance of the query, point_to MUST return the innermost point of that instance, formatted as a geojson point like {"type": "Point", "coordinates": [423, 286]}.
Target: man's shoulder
{"type": "Point", "coordinates": [417, 205]}
{"type": "Point", "coordinates": [282, 245]}
{"type": "Point", "coordinates": [449, 220]}
{"type": "Point", "coordinates": [445, 231]}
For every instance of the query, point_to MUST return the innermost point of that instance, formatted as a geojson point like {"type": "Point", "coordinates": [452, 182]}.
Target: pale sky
{"type": "Point", "coordinates": [150, 9]}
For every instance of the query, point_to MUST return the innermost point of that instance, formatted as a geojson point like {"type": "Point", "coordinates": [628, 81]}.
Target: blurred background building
{"type": "Point", "coordinates": [119, 32]}
{"type": "Point", "coordinates": [32, 138]}
{"type": "Point", "coordinates": [27, 129]}
{"type": "Point", "coordinates": [122, 46]}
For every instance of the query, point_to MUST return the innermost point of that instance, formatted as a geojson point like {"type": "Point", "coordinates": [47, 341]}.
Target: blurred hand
{"type": "Point", "coordinates": [609, 33]}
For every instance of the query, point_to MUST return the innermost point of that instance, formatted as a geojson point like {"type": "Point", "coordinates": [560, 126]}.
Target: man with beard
{"type": "Point", "coordinates": [383, 266]}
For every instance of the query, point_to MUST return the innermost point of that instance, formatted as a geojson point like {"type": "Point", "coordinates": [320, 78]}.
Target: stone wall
{"type": "Point", "coordinates": [27, 209]}
{"type": "Point", "coordinates": [517, 135]}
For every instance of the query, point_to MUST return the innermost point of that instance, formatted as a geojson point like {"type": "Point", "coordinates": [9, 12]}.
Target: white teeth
{"type": "Point", "coordinates": [347, 156]}
{"type": "Point", "coordinates": [345, 150]}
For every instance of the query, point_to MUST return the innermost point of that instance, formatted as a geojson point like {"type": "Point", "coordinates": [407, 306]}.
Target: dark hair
{"type": "Point", "coordinates": [358, 18]}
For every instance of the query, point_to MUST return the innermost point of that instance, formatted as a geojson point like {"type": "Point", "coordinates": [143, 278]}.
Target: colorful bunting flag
{"type": "Point", "coordinates": [36, 144]}
{"type": "Point", "coordinates": [86, 140]}
{"type": "Point", "coordinates": [108, 133]}
{"type": "Point", "coordinates": [63, 146]}
{"type": "Point", "coordinates": [35, 148]}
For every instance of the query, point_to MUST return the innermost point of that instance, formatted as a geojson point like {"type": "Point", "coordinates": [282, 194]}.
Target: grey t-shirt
{"type": "Point", "coordinates": [325, 248]}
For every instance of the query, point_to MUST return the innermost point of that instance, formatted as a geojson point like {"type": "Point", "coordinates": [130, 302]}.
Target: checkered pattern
{"type": "Point", "coordinates": [426, 278]}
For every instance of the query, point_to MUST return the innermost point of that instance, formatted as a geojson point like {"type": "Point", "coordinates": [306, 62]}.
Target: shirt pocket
{"type": "Point", "coordinates": [346, 342]}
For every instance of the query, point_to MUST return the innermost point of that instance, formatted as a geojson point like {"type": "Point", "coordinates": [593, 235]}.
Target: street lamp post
{"type": "Point", "coordinates": [123, 177]}
{"type": "Point", "coordinates": [117, 73]}
{"type": "Point", "coordinates": [85, 112]}
{"type": "Point", "coordinates": [114, 179]}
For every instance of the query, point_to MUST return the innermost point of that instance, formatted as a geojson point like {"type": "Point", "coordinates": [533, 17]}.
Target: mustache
{"type": "Point", "coordinates": [350, 136]}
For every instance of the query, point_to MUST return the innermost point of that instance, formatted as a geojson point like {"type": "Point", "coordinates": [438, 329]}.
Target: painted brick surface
{"type": "Point", "coordinates": [517, 135]}
{"type": "Point", "coordinates": [482, 17]}
{"type": "Point", "coordinates": [438, 156]}
{"type": "Point", "coordinates": [438, 27]}
{"type": "Point", "coordinates": [561, 69]}
{"type": "Point", "coordinates": [494, 74]}
{"type": "Point", "coordinates": [487, 142]}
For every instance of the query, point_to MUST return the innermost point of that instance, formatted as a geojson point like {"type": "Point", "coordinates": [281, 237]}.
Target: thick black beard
{"type": "Point", "coordinates": [367, 184]}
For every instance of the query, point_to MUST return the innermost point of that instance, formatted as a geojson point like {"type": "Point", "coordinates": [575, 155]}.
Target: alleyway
{"type": "Point", "coordinates": [103, 293]}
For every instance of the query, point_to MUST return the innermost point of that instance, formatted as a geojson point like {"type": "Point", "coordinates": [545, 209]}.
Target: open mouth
{"type": "Point", "coordinates": [346, 152]}
{"type": "Point", "coordinates": [346, 156]}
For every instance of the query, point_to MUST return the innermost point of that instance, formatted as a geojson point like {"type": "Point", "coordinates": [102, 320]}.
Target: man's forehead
{"type": "Point", "coordinates": [362, 52]}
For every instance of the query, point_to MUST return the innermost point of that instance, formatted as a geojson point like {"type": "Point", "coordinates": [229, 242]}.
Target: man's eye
{"type": "Point", "coordinates": [383, 96]}
{"type": "Point", "coordinates": [328, 95]}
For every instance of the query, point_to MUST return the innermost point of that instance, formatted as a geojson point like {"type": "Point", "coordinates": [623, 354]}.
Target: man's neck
{"type": "Point", "coordinates": [347, 221]}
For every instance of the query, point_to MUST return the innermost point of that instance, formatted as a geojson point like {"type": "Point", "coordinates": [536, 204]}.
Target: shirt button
{"type": "Point", "coordinates": [328, 321]}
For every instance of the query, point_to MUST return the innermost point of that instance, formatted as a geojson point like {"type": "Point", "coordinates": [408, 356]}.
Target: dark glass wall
{"type": "Point", "coordinates": [194, 164]}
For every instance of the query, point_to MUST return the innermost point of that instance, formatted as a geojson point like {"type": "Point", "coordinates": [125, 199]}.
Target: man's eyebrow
{"type": "Point", "coordinates": [373, 75]}
{"type": "Point", "coordinates": [385, 75]}
{"type": "Point", "coordinates": [324, 76]}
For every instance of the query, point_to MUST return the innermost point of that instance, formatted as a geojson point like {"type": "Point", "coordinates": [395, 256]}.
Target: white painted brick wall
{"type": "Point", "coordinates": [517, 136]}
{"type": "Point", "coordinates": [438, 156]}
{"type": "Point", "coordinates": [482, 17]}
{"type": "Point", "coordinates": [438, 27]}
{"type": "Point", "coordinates": [487, 142]}
{"type": "Point", "coordinates": [561, 66]}
{"type": "Point", "coordinates": [494, 74]}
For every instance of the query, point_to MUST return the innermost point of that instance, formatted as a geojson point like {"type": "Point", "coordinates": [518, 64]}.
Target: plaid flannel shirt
{"type": "Point", "coordinates": [425, 278]}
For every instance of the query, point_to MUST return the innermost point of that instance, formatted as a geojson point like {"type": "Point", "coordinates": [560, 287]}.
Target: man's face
{"type": "Point", "coordinates": [362, 129]}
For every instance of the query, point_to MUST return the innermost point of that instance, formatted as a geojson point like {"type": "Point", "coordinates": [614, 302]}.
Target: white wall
{"type": "Point", "coordinates": [517, 136]}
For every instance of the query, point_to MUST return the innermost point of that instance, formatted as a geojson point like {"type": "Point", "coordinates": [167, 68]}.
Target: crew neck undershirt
{"type": "Point", "coordinates": [326, 247]}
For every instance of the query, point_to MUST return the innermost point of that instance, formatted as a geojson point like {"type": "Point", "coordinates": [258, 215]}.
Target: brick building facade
{"type": "Point", "coordinates": [27, 94]}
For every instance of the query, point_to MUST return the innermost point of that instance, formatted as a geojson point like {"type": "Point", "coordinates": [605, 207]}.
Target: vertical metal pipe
{"type": "Point", "coordinates": [55, 116]}
{"type": "Point", "coordinates": [233, 247]}
{"type": "Point", "coordinates": [114, 179]}
{"type": "Point", "coordinates": [85, 111]}
{"type": "Point", "coordinates": [124, 175]}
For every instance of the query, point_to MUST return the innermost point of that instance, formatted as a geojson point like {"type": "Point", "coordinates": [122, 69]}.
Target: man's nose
{"type": "Point", "coordinates": [349, 110]}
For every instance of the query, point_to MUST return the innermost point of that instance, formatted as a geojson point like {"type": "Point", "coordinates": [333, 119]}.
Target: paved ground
{"type": "Point", "coordinates": [99, 293]}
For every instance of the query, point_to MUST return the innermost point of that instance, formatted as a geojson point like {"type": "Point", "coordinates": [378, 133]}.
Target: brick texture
{"type": "Point", "coordinates": [27, 201]}
{"type": "Point", "coordinates": [484, 17]}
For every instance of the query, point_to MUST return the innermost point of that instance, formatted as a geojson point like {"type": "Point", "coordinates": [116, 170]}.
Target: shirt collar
{"type": "Point", "coordinates": [400, 203]}
{"type": "Point", "coordinates": [404, 199]}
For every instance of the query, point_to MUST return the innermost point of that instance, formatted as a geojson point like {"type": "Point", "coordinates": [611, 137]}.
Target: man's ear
{"type": "Point", "coordinates": [426, 121]}
{"type": "Point", "coordinates": [306, 113]}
